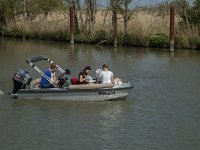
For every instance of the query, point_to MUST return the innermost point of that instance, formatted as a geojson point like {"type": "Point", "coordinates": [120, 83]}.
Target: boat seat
{"type": "Point", "coordinates": [91, 86]}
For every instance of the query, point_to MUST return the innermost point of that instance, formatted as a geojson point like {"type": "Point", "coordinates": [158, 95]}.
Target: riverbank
{"type": "Point", "coordinates": [145, 29]}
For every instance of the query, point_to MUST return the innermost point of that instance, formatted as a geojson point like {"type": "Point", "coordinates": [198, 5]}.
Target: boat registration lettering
{"type": "Point", "coordinates": [106, 92]}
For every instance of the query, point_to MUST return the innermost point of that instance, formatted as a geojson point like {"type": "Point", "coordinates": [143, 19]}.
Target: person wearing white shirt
{"type": "Point", "coordinates": [106, 76]}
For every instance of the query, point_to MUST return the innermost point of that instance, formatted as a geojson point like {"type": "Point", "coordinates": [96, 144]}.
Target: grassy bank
{"type": "Point", "coordinates": [145, 29]}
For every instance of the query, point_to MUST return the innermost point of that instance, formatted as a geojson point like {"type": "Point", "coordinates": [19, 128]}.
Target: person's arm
{"type": "Point", "coordinates": [54, 77]}
{"type": "Point", "coordinates": [82, 79]}
{"type": "Point", "coordinates": [55, 81]}
{"type": "Point", "coordinates": [112, 78]}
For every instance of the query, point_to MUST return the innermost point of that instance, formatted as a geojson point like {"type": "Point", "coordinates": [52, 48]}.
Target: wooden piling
{"type": "Point", "coordinates": [115, 27]}
{"type": "Point", "coordinates": [24, 18]}
{"type": "Point", "coordinates": [72, 22]}
{"type": "Point", "coordinates": [172, 28]}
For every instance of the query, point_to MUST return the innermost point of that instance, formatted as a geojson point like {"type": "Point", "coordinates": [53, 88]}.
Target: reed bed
{"type": "Point", "coordinates": [145, 28]}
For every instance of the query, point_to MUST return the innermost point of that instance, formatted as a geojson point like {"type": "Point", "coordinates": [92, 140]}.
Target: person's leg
{"type": "Point", "coordinates": [43, 86]}
{"type": "Point", "coordinates": [51, 86]}
{"type": "Point", "coordinates": [47, 86]}
{"type": "Point", "coordinates": [117, 81]}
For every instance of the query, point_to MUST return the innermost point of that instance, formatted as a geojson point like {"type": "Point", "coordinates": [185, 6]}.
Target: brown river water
{"type": "Point", "coordinates": [162, 112]}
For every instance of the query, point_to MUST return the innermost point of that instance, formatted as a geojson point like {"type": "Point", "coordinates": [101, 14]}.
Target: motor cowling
{"type": "Point", "coordinates": [20, 79]}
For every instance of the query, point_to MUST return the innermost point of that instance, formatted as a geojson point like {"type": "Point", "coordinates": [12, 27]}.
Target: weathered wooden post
{"type": "Point", "coordinates": [115, 28]}
{"type": "Point", "coordinates": [172, 28]}
{"type": "Point", "coordinates": [24, 18]}
{"type": "Point", "coordinates": [114, 21]}
{"type": "Point", "coordinates": [72, 22]}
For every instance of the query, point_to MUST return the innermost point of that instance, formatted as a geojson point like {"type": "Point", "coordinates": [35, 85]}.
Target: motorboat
{"type": "Point", "coordinates": [23, 87]}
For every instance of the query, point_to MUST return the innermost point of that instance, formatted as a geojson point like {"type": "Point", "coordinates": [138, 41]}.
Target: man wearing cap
{"type": "Point", "coordinates": [50, 73]}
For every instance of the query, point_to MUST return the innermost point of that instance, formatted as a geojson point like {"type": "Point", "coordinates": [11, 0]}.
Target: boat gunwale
{"type": "Point", "coordinates": [66, 90]}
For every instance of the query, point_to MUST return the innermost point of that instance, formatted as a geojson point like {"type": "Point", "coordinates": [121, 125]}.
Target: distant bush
{"type": "Point", "coordinates": [83, 38]}
{"type": "Point", "coordinates": [45, 35]}
{"type": "Point", "coordinates": [198, 43]}
{"type": "Point", "coordinates": [180, 42]}
{"type": "Point", "coordinates": [127, 40]}
{"type": "Point", "coordinates": [100, 35]}
{"type": "Point", "coordinates": [194, 42]}
{"type": "Point", "coordinates": [194, 13]}
{"type": "Point", "coordinates": [14, 33]}
{"type": "Point", "coordinates": [130, 40]}
{"type": "Point", "coordinates": [160, 40]}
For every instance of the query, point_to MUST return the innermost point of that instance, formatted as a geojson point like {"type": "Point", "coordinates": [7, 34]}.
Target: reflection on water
{"type": "Point", "coordinates": [111, 115]}
{"type": "Point", "coordinates": [161, 112]}
{"type": "Point", "coordinates": [110, 121]}
{"type": "Point", "coordinates": [1, 92]}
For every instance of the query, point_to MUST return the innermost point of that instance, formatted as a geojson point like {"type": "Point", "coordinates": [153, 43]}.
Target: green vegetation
{"type": "Point", "coordinates": [189, 25]}
{"type": "Point", "coordinates": [46, 35]}
{"type": "Point", "coordinates": [145, 27]}
{"type": "Point", "coordinates": [194, 14]}
{"type": "Point", "coordinates": [159, 41]}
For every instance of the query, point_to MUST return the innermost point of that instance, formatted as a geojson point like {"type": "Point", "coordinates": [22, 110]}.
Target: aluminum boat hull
{"type": "Point", "coordinates": [73, 94]}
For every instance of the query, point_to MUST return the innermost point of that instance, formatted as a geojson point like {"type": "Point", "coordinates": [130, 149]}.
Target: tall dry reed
{"type": "Point", "coordinates": [142, 25]}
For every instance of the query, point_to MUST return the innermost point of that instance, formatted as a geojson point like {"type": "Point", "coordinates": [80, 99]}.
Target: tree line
{"type": "Point", "coordinates": [85, 16]}
{"type": "Point", "coordinates": [30, 9]}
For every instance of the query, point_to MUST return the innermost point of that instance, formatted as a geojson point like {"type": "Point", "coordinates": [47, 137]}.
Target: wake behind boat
{"type": "Point", "coordinates": [1, 93]}
{"type": "Point", "coordinates": [24, 89]}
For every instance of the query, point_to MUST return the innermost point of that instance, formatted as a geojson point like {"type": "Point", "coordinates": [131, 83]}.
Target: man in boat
{"type": "Point", "coordinates": [50, 73]}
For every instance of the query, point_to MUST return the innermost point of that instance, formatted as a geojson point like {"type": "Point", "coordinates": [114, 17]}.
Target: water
{"type": "Point", "coordinates": [161, 113]}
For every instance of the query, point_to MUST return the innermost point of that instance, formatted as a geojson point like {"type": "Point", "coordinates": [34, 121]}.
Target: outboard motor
{"type": "Point", "coordinates": [21, 78]}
